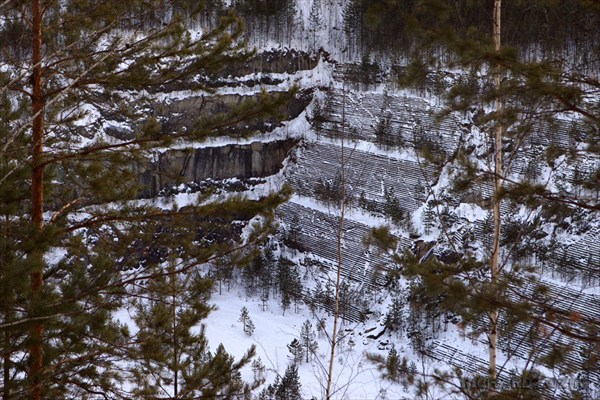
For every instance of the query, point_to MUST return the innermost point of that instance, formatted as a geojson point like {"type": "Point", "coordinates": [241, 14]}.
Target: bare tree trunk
{"type": "Point", "coordinates": [336, 314]}
{"type": "Point", "coordinates": [498, 172]}
{"type": "Point", "coordinates": [37, 205]}
{"type": "Point", "coordinates": [6, 369]}
{"type": "Point", "coordinates": [6, 356]}
{"type": "Point", "coordinates": [175, 343]}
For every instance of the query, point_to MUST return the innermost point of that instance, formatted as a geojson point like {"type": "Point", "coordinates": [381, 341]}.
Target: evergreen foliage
{"type": "Point", "coordinates": [247, 324]}
{"type": "Point", "coordinates": [315, 20]}
{"type": "Point", "coordinates": [391, 207]}
{"type": "Point", "coordinates": [329, 190]}
{"type": "Point", "coordinates": [540, 90]}
{"type": "Point", "coordinates": [383, 132]}
{"type": "Point", "coordinates": [75, 246]}
{"type": "Point", "coordinates": [429, 217]}
{"type": "Point", "coordinates": [258, 368]}
{"type": "Point", "coordinates": [76, 249]}
{"type": "Point", "coordinates": [394, 368]}
{"type": "Point", "coordinates": [269, 17]}
{"type": "Point", "coordinates": [538, 27]}
{"type": "Point", "coordinates": [317, 117]}
{"type": "Point", "coordinates": [531, 94]}
{"type": "Point", "coordinates": [174, 361]}
{"type": "Point", "coordinates": [394, 318]}
{"type": "Point", "coordinates": [288, 388]}
{"type": "Point", "coordinates": [290, 284]}
{"type": "Point", "coordinates": [259, 275]}
{"type": "Point", "coordinates": [168, 353]}
{"type": "Point", "coordinates": [262, 7]}
{"type": "Point", "coordinates": [308, 340]}
{"type": "Point", "coordinates": [249, 328]}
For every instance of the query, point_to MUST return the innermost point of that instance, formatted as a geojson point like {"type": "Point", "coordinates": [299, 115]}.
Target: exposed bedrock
{"type": "Point", "coordinates": [184, 113]}
{"type": "Point", "coordinates": [264, 64]}
{"type": "Point", "coordinates": [276, 61]}
{"type": "Point", "coordinates": [242, 161]}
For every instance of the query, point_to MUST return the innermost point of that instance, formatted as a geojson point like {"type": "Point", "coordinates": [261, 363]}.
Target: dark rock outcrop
{"type": "Point", "coordinates": [184, 113]}
{"type": "Point", "coordinates": [276, 61]}
{"type": "Point", "coordinates": [232, 161]}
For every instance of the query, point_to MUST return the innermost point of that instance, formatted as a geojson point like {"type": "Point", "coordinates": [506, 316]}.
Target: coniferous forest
{"type": "Point", "coordinates": [299, 199]}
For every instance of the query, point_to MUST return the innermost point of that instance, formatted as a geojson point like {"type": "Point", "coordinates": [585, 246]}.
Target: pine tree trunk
{"type": "Point", "coordinates": [7, 316]}
{"type": "Point", "coordinates": [6, 368]}
{"type": "Point", "coordinates": [174, 322]}
{"type": "Point", "coordinates": [6, 359]}
{"type": "Point", "coordinates": [493, 336]}
{"type": "Point", "coordinates": [37, 204]}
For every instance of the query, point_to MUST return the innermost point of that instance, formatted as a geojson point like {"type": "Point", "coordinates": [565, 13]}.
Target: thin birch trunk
{"type": "Point", "coordinates": [498, 173]}
{"type": "Point", "coordinates": [336, 314]}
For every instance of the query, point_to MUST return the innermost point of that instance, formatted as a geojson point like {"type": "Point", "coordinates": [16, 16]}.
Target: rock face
{"type": "Point", "coordinates": [183, 106]}
{"type": "Point", "coordinates": [184, 113]}
{"type": "Point", "coordinates": [275, 61]}
{"type": "Point", "coordinates": [253, 160]}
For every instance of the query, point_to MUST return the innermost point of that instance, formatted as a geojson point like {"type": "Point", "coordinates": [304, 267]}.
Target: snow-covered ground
{"type": "Point", "coordinates": [354, 376]}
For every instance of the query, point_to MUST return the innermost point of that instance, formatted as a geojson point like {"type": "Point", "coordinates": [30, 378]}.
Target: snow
{"type": "Point", "coordinates": [355, 377]}
{"type": "Point", "coordinates": [471, 212]}
{"type": "Point", "coordinates": [352, 214]}
{"type": "Point", "coordinates": [55, 255]}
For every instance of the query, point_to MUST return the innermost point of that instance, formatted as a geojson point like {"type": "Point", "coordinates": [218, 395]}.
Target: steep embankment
{"type": "Point", "coordinates": [400, 165]}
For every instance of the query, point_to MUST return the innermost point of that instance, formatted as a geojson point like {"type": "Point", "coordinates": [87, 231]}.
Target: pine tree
{"type": "Point", "coordinates": [69, 67]}
{"type": "Point", "coordinates": [292, 234]}
{"type": "Point", "coordinates": [268, 393]}
{"type": "Point", "coordinates": [295, 288]}
{"type": "Point", "coordinates": [171, 358]}
{"type": "Point", "coordinates": [258, 369]}
{"type": "Point", "coordinates": [249, 328]}
{"type": "Point", "coordinates": [383, 132]}
{"type": "Point", "coordinates": [392, 365]}
{"type": "Point", "coordinates": [394, 317]}
{"type": "Point", "coordinates": [317, 117]}
{"type": "Point", "coordinates": [285, 301]}
{"type": "Point", "coordinates": [267, 275]}
{"type": "Point", "coordinates": [252, 274]}
{"type": "Point", "coordinates": [247, 324]}
{"type": "Point", "coordinates": [315, 20]}
{"type": "Point", "coordinates": [290, 387]}
{"type": "Point", "coordinates": [223, 271]}
{"type": "Point", "coordinates": [391, 207]}
{"type": "Point", "coordinates": [527, 94]}
{"type": "Point", "coordinates": [308, 341]}
{"type": "Point", "coordinates": [394, 368]}
{"type": "Point", "coordinates": [290, 284]}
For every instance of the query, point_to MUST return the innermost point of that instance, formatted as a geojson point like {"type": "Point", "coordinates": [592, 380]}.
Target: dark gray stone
{"type": "Point", "coordinates": [253, 160]}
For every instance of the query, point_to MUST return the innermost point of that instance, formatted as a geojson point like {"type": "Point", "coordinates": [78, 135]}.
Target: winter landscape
{"type": "Point", "coordinates": [299, 199]}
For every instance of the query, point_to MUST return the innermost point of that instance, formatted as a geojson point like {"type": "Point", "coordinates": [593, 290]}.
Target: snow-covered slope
{"type": "Point", "coordinates": [403, 181]}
